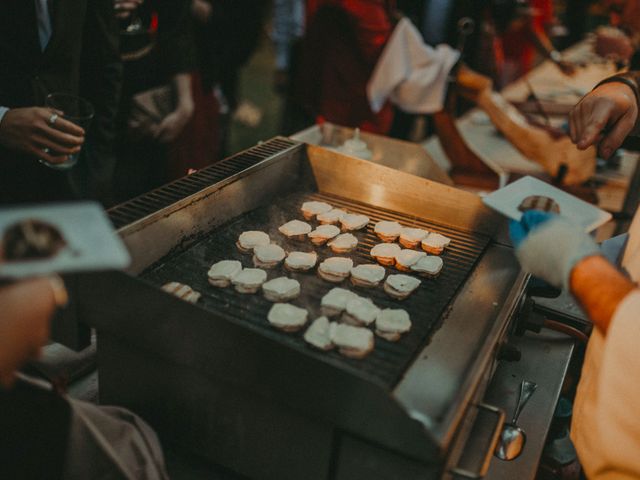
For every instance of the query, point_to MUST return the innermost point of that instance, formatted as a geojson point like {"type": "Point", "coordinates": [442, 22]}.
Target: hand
{"type": "Point", "coordinates": [27, 308]}
{"type": "Point", "coordinates": [201, 10]}
{"type": "Point", "coordinates": [548, 246]}
{"type": "Point", "coordinates": [124, 8]}
{"type": "Point", "coordinates": [605, 117]}
{"type": "Point", "coordinates": [614, 44]}
{"type": "Point", "coordinates": [173, 124]}
{"type": "Point", "coordinates": [27, 130]}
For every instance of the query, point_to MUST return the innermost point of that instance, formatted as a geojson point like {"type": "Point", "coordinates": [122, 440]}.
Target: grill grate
{"type": "Point", "coordinates": [386, 364]}
{"type": "Point", "coordinates": [184, 187]}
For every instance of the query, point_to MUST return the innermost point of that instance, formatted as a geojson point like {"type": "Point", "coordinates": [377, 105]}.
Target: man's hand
{"type": "Point", "coordinates": [613, 44]}
{"type": "Point", "coordinates": [173, 124]}
{"type": "Point", "coordinates": [27, 130]}
{"type": "Point", "coordinates": [605, 117]}
{"type": "Point", "coordinates": [124, 8]}
{"type": "Point", "coordinates": [27, 308]}
{"type": "Point", "coordinates": [548, 246]}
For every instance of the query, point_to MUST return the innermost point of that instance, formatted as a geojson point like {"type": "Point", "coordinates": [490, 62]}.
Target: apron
{"type": "Point", "coordinates": [606, 420]}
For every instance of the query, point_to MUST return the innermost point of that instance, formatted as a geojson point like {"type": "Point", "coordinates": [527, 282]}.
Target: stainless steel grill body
{"type": "Point", "coordinates": [216, 379]}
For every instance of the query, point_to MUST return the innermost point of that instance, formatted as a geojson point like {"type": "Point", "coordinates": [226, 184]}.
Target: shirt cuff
{"type": "Point", "coordinates": [3, 110]}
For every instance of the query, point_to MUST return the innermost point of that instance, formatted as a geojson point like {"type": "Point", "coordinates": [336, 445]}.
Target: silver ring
{"type": "Point", "coordinates": [45, 150]}
{"type": "Point", "coordinates": [53, 118]}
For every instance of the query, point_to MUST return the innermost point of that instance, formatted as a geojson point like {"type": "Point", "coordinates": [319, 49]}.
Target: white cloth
{"type": "Point", "coordinates": [410, 73]}
{"type": "Point", "coordinates": [606, 424]}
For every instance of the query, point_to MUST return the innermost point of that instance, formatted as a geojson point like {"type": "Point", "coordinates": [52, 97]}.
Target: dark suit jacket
{"type": "Point", "coordinates": [81, 58]}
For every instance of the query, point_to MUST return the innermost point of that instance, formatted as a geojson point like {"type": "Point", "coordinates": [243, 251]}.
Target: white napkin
{"type": "Point", "coordinates": [410, 73]}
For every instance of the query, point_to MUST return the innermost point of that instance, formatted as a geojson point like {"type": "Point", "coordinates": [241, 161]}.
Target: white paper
{"type": "Point", "coordinates": [92, 243]}
{"type": "Point", "coordinates": [507, 200]}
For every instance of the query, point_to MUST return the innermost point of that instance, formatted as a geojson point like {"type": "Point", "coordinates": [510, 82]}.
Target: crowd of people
{"type": "Point", "coordinates": [157, 75]}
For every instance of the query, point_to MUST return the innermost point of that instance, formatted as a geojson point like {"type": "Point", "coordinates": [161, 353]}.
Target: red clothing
{"type": "Point", "coordinates": [343, 42]}
{"type": "Point", "coordinates": [517, 46]}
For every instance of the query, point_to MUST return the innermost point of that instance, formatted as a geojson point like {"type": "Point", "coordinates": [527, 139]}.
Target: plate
{"type": "Point", "coordinates": [507, 200]}
{"type": "Point", "coordinates": [88, 240]}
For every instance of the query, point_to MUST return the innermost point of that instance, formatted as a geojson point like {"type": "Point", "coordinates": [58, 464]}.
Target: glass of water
{"type": "Point", "coordinates": [74, 109]}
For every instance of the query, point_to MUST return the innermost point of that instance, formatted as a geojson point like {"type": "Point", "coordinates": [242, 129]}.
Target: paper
{"type": "Point", "coordinates": [82, 235]}
{"type": "Point", "coordinates": [507, 200]}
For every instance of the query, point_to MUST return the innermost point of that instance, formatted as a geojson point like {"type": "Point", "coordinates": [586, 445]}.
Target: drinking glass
{"type": "Point", "coordinates": [75, 109]}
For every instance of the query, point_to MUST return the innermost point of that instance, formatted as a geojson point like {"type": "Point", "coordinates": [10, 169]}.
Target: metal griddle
{"type": "Point", "coordinates": [215, 379]}
{"type": "Point", "coordinates": [389, 359]}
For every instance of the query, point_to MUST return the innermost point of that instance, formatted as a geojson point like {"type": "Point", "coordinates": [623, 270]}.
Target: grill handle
{"type": "Point", "coordinates": [486, 414]}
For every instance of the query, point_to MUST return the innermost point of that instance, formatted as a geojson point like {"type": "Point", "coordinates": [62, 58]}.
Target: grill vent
{"type": "Point", "coordinates": [184, 187]}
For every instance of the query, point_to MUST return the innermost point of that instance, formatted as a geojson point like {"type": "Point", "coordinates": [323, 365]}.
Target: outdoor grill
{"type": "Point", "coordinates": [217, 380]}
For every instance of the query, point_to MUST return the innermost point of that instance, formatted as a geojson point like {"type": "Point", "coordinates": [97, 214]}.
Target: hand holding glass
{"type": "Point", "coordinates": [73, 109]}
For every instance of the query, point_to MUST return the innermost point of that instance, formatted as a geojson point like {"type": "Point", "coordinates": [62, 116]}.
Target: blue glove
{"type": "Point", "coordinates": [549, 246]}
{"type": "Point", "coordinates": [531, 219]}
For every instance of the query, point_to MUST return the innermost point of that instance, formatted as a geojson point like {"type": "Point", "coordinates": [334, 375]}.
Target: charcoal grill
{"type": "Point", "coordinates": [216, 379]}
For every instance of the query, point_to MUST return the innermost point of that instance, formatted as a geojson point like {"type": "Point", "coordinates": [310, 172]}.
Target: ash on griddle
{"type": "Point", "coordinates": [31, 239]}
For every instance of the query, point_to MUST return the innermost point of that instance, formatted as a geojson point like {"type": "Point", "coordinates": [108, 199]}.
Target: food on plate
{"type": "Point", "coordinates": [249, 280]}
{"type": "Point", "coordinates": [331, 217]}
{"type": "Point", "coordinates": [287, 317]}
{"type": "Point", "coordinates": [367, 275]}
{"type": "Point", "coordinates": [301, 261]}
{"type": "Point", "coordinates": [354, 342]}
{"type": "Point", "coordinates": [335, 269]}
{"type": "Point", "coordinates": [221, 273]}
{"type": "Point", "coordinates": [334, 302]}
{"type": "Point", "coordinates": [429, 266]}
{"type": "Point", "coordinates": [407, 258]}
{"type": "Point", "coordinates": [318, 335]}
{"type": "Point", "coordinates": [411, 237]}
{"type": "Point", "coordinates": [387, 231]}
{"type": "Point", "coordinates": [323, 233]}
{"type": "Point", "coordinates": [392, 323]}
{"type": "Point", "coordinates": [31, 239]}
{"type": "Point", "coordinates": [360, 312]}
{"type": "Point", "coordinates": [281, 289]}
{"type": "Point", "coordinates": [295, 230]}
{"type": "Point", "coordinates": [385, 253]}
{"type": "Point", "coordinates": [343, 243]}
{"type": "Point", "coordinates": [311, 209]}
{"type": "Point", "coordinates": [268, 256]}
{"type": "Point", "coordinates": [539, 202]}
{"type": "Point", "coordinates": [400, 286]}
{"type": "Point", "coordinates": [247, 241]}
{"type": "Point", "coordinates": [354, 221]}
{"type": "Point", "coordinates": [182, 291]}
{"type": "Point", "coordinates": [435, 243]}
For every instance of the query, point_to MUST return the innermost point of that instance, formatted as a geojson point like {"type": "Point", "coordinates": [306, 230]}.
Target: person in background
{"type": "Point", "coordinates": [157, 103]}
{"type": "Point", "coordinates": [343, 42]}
{"type": "Point", "coordinates": [605, 427]}
{"type": "Point", "coordinates": [47, 435]}
{"type": "Point", "coordinates": [524, 33]}
{"type": "Point", "coordinates": [46, 47]}
{"type": "Point", "coordinates": [622, 41]}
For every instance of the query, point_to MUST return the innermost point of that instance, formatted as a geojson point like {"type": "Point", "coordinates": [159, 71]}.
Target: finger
{"type": "Point", "coordinates": [47, 157]}
{"type": "Point", "coordinates": [572, 124]}
{"type": "Point", "coordinates": [58, 148]}
{"type": "Point", "coordinates": [614, 138]}
{"type": "Point", "coordinates": [594, 125]}
{"type": "Point", "coordinates": [67, 126]}
{"type": "Point", "coordinates": [56, 136]}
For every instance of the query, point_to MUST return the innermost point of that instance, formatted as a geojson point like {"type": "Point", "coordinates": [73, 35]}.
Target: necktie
{"type": "Point", "coordinates": [44, 22]}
